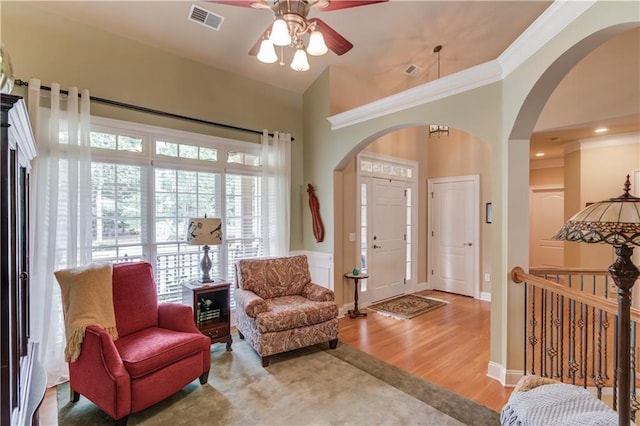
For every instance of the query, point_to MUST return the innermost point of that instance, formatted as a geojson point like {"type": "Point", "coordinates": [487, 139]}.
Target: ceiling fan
{"type": "Point", "coordinates": [291, 24]}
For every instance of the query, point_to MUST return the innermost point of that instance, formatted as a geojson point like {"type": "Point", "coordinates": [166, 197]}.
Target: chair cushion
{"type": "Point", "coordinates": [135, 299]}
{"type": "Point", "coordinates": [289, 312]}
{"type": "Point", "coordinates": [274, 277]}
{"type": "Point", "coordinates": [153, 348]}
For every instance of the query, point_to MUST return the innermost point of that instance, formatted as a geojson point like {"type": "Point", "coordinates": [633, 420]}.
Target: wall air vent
{"type": "Point", "coordinates": [206, 18]}
{"type": "Point", "coordinates": [412, 70]}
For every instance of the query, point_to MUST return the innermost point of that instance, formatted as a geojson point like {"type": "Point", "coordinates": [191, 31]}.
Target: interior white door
{"type": "Point", "coordinates": [546, 219]}
{"type": "Point", "coordinates": [388, 244]}
{"type": "Point", "coordinates": [454, 237]}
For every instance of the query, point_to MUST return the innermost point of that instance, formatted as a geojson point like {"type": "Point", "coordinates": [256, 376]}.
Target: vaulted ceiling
{"type": "Point", "coordinates": [388, 38]}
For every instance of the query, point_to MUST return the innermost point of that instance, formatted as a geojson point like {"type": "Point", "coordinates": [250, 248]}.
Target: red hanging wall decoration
{"type": "Point", "coordinates": [314, 205]}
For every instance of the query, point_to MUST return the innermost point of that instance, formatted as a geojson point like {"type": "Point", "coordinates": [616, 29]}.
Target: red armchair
{"type": "Point", "coordinates": [158, 352]}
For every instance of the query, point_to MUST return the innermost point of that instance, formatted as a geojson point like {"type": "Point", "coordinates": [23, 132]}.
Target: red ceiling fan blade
{"type": "Point", "coordinates": [256, 47]}
{"type": "Point", "coordinates": [256, 4]}
{"type": "Point", "coordinates": [345, 4]}
{"type": "Point", "coordinates": [334, 41]}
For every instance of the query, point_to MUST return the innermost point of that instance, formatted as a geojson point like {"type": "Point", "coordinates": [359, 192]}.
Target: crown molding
{"type": "Point", "coordinates": [553, 20]}
{"type": "Point", "coordinates": [602, 142]}
{"type": "Point", "coordinates": [452, 84]}
{"type": "Point", "coordinates": [548, 25]}
{"type": "Point", "coordinates": [609, 141]}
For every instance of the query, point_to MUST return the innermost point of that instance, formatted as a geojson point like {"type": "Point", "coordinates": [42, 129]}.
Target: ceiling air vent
{"type": "Point", "coordinates": [412, 70]}
{"type": "Point", "coordinates": [206, 18]}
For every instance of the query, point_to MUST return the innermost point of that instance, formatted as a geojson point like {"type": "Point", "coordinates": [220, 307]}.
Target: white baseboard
{"type": "Point", "coordinates": [495, 372]}
{"type": "Point", "coordinates": [320, 267]}
{"type": "Point", "coordinates": [507, 378]}
{"type": "Point", "coordinates": [422, 286]}
{"type": "Point", "coordinates": [485, 295]}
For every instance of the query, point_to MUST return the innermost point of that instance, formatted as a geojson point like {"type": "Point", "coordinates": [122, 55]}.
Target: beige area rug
{"type": "Point", "coordinates": [406, 306]}
{"type": "Point", "coordinates": [310, 386]}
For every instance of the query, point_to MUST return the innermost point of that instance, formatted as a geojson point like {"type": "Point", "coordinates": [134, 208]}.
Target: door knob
{"type": "Point", "coordinates": [376, 246]}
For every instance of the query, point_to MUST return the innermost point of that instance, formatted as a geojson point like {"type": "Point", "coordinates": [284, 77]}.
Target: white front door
{"type": "Point", "coordinates": [547, 217]}
{"type": "Point", "coordinates": [388, 240]}
{"type": "Point", "coordinates": [454, 209]}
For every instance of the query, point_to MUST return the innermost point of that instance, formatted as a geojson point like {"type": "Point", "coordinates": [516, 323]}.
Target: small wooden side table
{"type": "Point", "coordinates": [211, 310]}
{"type": "Point", "coordinates": [355, 313]}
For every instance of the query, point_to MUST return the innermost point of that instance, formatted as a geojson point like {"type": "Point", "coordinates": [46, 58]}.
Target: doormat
{"type": "Point", "coordinates": [406, 306]}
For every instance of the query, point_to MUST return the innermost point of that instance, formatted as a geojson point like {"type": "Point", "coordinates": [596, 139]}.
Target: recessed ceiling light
{"type": "Point", "coordinates": [539, 154]}
{"type": "Point", "coordinates": [601, 130]}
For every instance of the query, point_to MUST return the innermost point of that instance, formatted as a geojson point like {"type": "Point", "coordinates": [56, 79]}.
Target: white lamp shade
{"type": "Point", "coordinates": [267, 53]}
{"type": "Point", "coordinates": [280, 33]}
{"type": "Point", "coordinates": [317, 46]}
{"type": "Point", "coordinates": [300, 62]}
{"type": "Point", "coordinates": [204, 231]}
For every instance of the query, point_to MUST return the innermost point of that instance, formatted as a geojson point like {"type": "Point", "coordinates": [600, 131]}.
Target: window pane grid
{"type": "Point", "coordinates": [120, 193]}
{"type": "Point", "coordinates": [363, 230]}
{"type": "Point", "coordinates": [182, 150]}
{"type": "Point", "coordinates": [117, 208]}
{"type": "Point", "coordinates": [408, 231]}
{"type": "Point", "coordinates": [180, 195]}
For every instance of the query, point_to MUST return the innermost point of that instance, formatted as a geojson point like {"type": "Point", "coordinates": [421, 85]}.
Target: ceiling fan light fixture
{"type": "Point", "coordinates": [300, 62]}
{"type": "Point", "coordinates": [267, 53]}
{"type": "Point", "coordinates": [280, 33]}
{"type": "Point", "coordinates": [317, 46]}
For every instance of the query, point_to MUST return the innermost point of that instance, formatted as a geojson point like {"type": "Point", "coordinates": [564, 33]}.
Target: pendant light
{"type": "Point", "coordinates": [267, 53]}
{"type": "Point", "coordinates": [300, 62]}
{"type": "Point", "coordinates": [317, 46]}
{"type": "Point", "coordinates": [280, 33]}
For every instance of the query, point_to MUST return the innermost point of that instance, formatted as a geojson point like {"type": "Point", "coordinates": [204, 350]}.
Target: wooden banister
{"type": "Point", "coordinates": [608, 305]}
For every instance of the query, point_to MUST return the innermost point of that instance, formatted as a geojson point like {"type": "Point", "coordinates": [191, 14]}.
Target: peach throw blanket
{"type": "Point", "coordinates": [87, 299]}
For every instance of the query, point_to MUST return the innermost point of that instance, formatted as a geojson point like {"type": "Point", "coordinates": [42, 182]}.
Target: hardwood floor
{"type": "Point", "coordinates": [448, 346]}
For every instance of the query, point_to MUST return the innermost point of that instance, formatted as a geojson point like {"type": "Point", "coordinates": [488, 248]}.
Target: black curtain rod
{"type": "Point", "coordinates": [154, 111]}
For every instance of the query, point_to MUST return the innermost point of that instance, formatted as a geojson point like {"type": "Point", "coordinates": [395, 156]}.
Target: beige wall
{"type": "Point", "coordinates": [462, 155]}
{"type": "Point", "coordinates": [546, 176]}
{"type": "Point", "coordinates": [596, 171]}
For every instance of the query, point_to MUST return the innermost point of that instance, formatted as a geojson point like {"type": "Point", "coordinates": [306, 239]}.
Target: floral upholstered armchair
{"type": "Point", "coordinates": [279, 309]}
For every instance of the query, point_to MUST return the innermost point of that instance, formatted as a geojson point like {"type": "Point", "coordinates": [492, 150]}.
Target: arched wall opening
{"type": "Point", "coordinates": [457, 154]}
{"type": "Point", "coordinates": [517, 205]}
{"type": "Point", "coordinates": [493, 111]}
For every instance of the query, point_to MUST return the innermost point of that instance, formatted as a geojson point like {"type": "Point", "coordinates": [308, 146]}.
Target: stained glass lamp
{"type": "Point", "coordinates": [615, 221]}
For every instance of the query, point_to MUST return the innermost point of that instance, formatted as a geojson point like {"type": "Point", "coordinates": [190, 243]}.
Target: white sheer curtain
{"type": "Point", "coordinates": [60, 212]}
{"type": "Point", "coordinates": [276, 192]}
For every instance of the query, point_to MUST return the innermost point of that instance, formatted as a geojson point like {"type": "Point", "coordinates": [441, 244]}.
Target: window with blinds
{"type": "Point", "coordinates": [117, 212]}
{"type": "Point", "coordinates": [146, 182]}
{"type": "Point", "coordinates": [244, 233]}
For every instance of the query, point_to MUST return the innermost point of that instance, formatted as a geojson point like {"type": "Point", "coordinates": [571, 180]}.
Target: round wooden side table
{"type": "Point", "coordinates": [355, 313]}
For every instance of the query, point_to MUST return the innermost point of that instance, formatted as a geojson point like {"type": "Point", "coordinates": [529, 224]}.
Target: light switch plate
{"type": "Point", "coordinates": [487, 277]}
{"type": "Point", "coordinates": [352, 236]}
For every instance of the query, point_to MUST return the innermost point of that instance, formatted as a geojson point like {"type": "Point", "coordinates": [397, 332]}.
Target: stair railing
{"type": "Point", "coordinates": [568, 336]}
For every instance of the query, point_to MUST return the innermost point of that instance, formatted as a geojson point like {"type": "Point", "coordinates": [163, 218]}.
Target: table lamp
{"type": "Point", "coordinates": [615, 221]}
{"type": "Point", "coordinates": [205, 232]}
